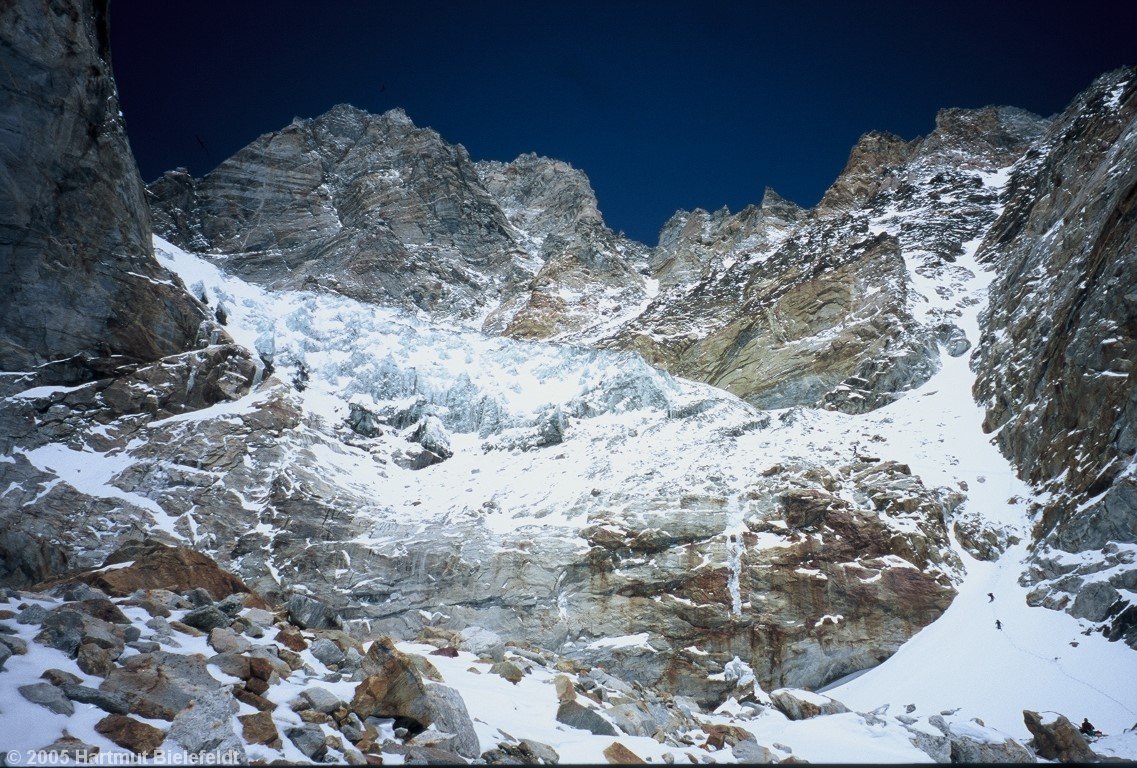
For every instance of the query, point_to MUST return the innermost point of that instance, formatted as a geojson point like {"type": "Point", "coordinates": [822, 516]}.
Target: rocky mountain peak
{"type": "Point", "coordinates": [776, 207]}
{"type": "Point", "coordinates": [984, 139]}
{"type": "Point", "coordinates": [542, 196]}
{"type": "Point", "coordinates": [872, 158]}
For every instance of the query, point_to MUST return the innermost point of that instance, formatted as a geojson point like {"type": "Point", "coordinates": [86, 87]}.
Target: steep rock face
{"type": "Point", "coordinates": [830, 306]}
{"type": "Point", "coordinates": [690, 242]}
{"type": "Point", "coordinates": [1055, 364]}
{"type": "Point", "coordinates": [370, 206]}
{"type": "Point", "coordinates": [587, 276]}
{"type": "Point", "coordinates": [79, 286]}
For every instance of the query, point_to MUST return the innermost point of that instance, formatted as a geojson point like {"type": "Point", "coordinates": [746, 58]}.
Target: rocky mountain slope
{"type": "Point", "coordinates": [441, 400]}
{"type": "Point", "coordinates": [1056, 359]}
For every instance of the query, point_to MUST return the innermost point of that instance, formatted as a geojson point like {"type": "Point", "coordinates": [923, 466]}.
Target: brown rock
{"type": "Point", "coordinates": [617, 754]}
{"type": "Point", "coordinates": [95, 660]}
{"type": "Point", "coordinates": [139, 738]}
{"type": "Point", "coordinates": [157, 566]}
{"type": "Point", "coordinates": [60, 678]}
{"type": "Point", "coordinates": [256, 686]}
{"type": "Point", "coordinates": [101, 608]}
{"type": "Point", "coordinates": [312, 716]}
{"type": "Point", "coordinates": [1058, 739]}
{"type": "Point", "coordinates": [565, 690]}
{"type": "Point", "coordinates": [802, 705]}
{"type": "Point", "coordinates": [70, 747]}
{"type": "Point", "coordinates": [448, 652]}
{"type": "Point", "coordinates": [292, 659]}
{"type": "Point", "coordinates": [720, 735]}
{"type": "Point", "coordinates": [261, 668]}
{"type": "Point", "coordinates": [291, 638]}
{"type": "Point", "coordinates": [425, 668]}
{"type": "Point", "coordinates": [186, 629]}
{"type": "Point", "coordinates": [260, 729]}
{"type": "Point", "coordinates": [508, 670]}
{"type": "Point", "coordinates": [393, 688]}
{"type": "Point", "coordinates": [153, 608]}
{"type": "Point", "coordinates": [253, 700]}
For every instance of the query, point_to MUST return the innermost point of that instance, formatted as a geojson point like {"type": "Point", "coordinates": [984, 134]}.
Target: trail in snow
{"type": "Point", "coordinates": [1040, 659]}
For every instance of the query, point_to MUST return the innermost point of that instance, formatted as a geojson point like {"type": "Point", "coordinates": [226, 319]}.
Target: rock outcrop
{"type": "Point", "coordinates": [81, 294]}
{"type": "Point", "coordinates": [1056, 738]}
{"type": "Point", "coordinates": [370, 206]}
{"type": "Point", "coordinates": [1055, 363]}
{"type": "Point", "coordinates": [829, 307]}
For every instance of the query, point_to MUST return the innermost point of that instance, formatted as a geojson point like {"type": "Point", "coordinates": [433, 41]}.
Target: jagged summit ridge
{"type": "Point", "coordinates": [546, 266]}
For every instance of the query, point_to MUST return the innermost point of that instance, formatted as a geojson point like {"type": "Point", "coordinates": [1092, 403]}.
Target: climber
{"type": "Point", "coordinates": [990, 597]}
{"type": "Point", "coordinates": [998, 624]}
{"type": "Point", "coordinates": [1088, 729]}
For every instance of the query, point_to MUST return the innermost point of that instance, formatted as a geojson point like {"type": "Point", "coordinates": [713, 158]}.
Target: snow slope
{"type": "Point", "coordinates": [1040, 660]}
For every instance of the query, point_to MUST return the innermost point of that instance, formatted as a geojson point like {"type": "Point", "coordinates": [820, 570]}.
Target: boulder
{"type": "Point", "coordinates": [160, 685]}
{"type": "Point", "coordinates": [70, 749]}
{"type": "Point", "coordinates": [104, 700]}
{"type": "Point", "coordinates": [206, 618]}
{"type": "Point", "coordinates": [797, 704]}
{"type": "Point", "coordinates": [508, 670]}
{"type": "Point", "coordinates": [632, 719]}
{"type": "Point", "coordinates": [482, 642]}
{"type": "Point", "coordinates": [393, 686]}
{"type": "Point", "coordinates": [140, 738]}
{"type": "Point", "coordinates": [95, 660]}
{"type": "Point", "coordinates": [232, 664]}
{"type": "Point", "coordinates": [327, 652]}
{"type": "Point", "coordinates": [153, 565]}
{"type": "Point", "coordinates": [752, 752]}
{"type": "Point", "coordinates": [972, 742]}
{"type": "Point", "coordinates": [524, 752]}
{"type": "Point", "coordinates": [259, 728]}
{"type": "Point", "coordinates": [33, 614]}
{"type": "Point", "coordinates": [449, 715]}
{"type": "Point", "coordinates": [321, 700]}
{"type": "Point", "coordinates": [721, 735]}
{"type": "Point", "coordinates": [66, 629]}
{"type": "Point", "coordinates": [206, 726]}
{"type": "Point", "coordinates": [310, 613]}
{"type": "Point", "coordinates": [617, 754]}
{"type": "Point", "coordinates": [576, 715]}
{"type": "Point", "coordinates": [309, 739]}
{"type": "Point", "coordinates": [565, 689]}
{"type": "Point", "coordinates": [432, 436]}
{"type": "Point", "coordinates": [1056, 738]}
{"type": "Point", "coordinates": [100, 608]}
{"type": "Point", "coordinates": [47, 695]}
{"type": "Point", "coordinates": [253, 700]}
{"type": "Point", "coordinates": [225, 640]}
{"type": "Point", "coordinates": [59, 677]}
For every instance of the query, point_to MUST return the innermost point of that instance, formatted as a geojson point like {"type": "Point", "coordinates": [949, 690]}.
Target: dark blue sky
{"type": "Point", "coordinates": [664, 105]}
